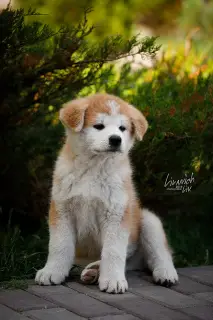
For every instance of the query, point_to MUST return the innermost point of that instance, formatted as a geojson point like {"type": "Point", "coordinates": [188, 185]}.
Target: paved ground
{"type": "Point", "coordinates": [191, 299]}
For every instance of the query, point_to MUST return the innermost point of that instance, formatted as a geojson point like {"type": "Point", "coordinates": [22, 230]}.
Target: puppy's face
{"type": "Point", "coordinates": [103, 124]}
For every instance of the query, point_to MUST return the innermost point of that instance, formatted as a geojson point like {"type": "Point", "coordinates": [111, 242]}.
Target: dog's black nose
{"type": "Point", "coordinates": [114, 141]}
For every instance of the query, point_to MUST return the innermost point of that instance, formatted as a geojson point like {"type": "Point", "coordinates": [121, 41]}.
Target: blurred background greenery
{"type": "Point", "coordinates": [173, 20]}
{"type": "Point", "coordinates": [50, 58]}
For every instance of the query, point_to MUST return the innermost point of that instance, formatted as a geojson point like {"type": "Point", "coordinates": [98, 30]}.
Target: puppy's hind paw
{"type": "Point", "coordinates": [90, 274]}
{"type": "Point", "coordinates": [165, 276]}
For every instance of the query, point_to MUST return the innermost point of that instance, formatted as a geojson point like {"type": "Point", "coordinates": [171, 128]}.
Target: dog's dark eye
{"type": "Point", "coordinates": [99, 126]}
{"type": "Point", "coordinates": [122, 128]}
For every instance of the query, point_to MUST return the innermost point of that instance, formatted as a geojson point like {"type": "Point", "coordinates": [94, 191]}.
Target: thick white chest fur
{"type": "Point", "coordinates": [93, 194]}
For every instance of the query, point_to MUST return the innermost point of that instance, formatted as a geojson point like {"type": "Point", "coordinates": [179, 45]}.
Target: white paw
{"type": "Point", "coordinates": [91, 273]}
{"type": "Point", "coordinates": [113, 285]}
{"type": "Point", "coordinates": [48, 276]}
{"type": "Point", "coordinates": [165, 275]}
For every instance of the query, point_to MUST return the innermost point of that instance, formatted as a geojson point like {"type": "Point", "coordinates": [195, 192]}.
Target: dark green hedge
{"type": "Point", "coordinates": [40, 69]}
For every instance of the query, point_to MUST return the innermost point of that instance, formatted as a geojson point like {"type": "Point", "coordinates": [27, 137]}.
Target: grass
{"type": "Point", "coordinates": [20, 256]}
{"type": "Point", "coordinates": [14, 284]}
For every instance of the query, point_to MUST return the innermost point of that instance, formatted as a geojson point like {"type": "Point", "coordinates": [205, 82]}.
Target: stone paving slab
{"type": "Point", "coordinates": [191, 299]}
{"type": "Point", "coordinates": [202, 313]}
{"type": "Point", "coordinates": [82, 305]}
{"type": "Point", "coordinates": [200, 274]}
{"type": "Point", "coordinates": [146, 309]}
{"type": "Point", "coordinates": [137, 280]}
{"type": "Point", "coordinates": [20, 300]}
{"type": "Point", "coordinates": [53, 314]}
{"type": "Point", "coordinates": [168, 297]}
{"type": "Point", "coordinates": [189, 286]}
{"type": "Point", "coordinates": [117, 317]}
{"type": "Point", "coordinates": [132, 303]}
{"type": "Point", "coordinates": [47, 290]}
{"type": "Point", "coordinates": [93, 291]}
{"type": "Point", "coordinates": [8, 314]}
{"type": "Point", "coordinates": [208, 296]}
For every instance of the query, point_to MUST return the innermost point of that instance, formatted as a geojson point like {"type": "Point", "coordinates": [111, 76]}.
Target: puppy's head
{"type": "Point", "coordinates": [103, 123]}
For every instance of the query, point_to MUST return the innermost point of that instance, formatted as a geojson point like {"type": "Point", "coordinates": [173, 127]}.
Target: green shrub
{"type": "Point", "coordinates": [111, 16]}
{"type": "Point", "coordinates": [40, 69]}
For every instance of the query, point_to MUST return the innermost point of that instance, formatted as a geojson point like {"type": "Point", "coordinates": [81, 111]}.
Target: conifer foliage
{"type": "Point", "coordinates": [40, 69]}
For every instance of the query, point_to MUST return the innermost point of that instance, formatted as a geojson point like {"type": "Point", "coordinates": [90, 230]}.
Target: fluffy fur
{"type": "Point", "coordinates": [94, 211]}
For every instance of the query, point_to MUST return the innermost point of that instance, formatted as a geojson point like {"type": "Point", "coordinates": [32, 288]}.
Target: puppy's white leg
{"type": "Point", "coordinates": [61, 248]}
{"type": "Point", "coordinates": [113, 259]}
{"type": "Point", "coordinates": [90, 273]}
{"type": "Point", "coordinates": [155, 248]}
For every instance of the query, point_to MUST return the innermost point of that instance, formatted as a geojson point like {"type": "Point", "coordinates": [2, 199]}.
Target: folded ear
{"type": "Point", "coordinates": [139, 122]}
{"type": "Point", "coordinates": [72, 114]}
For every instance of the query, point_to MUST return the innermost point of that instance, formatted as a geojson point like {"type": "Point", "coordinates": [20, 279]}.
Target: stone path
{"type": "Point", "coordinates": [191, 299]}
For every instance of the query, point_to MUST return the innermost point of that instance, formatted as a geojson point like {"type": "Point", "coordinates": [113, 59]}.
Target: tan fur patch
{"type": "Point", "coordinates": [53, 215]}
{"type": "Point", "coordinates": [132, 215]}
{"type": "Point", "coordinates": [67, 152]}
{"type": "Point", "coordinates": [138, 121]}
{"type": "Point", "coordinates": [95, 107]}
{"type": "Point", "coordinates": [88, 253]}
{"type": "Point", "coordinates": [72, 114]}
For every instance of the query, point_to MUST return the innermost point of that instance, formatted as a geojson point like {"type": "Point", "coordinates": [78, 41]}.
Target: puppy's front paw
{"type": "Point", "coordinates": [113, 284]}
{"type": "Point", "coordinates": [49, 276]}
{"type": "Point", "coordinates": [165, 275]}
